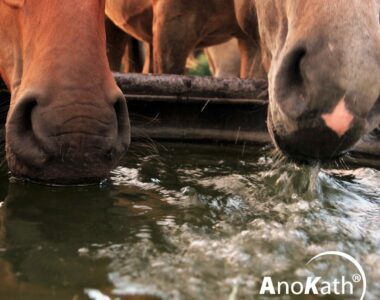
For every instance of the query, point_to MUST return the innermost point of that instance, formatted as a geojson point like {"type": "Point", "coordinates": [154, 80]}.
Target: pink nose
{"type": "Point", "coordinates": [340, 119]}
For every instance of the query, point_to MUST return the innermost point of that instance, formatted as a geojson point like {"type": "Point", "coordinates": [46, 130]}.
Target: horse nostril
{"type": "Point", "coordinates": [290, 90]}
{"type": "Point", "coordinates": [293, 69]}
{"type": "Point", "coordinates": [20, 135]}
{"type": "Point", "coordinates": [22, 116]}
{"type": "Point", "coordinates": [123, 126]}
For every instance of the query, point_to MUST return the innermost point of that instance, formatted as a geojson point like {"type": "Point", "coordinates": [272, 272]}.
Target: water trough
{"type": "Point", "coordinates": [205, 109]}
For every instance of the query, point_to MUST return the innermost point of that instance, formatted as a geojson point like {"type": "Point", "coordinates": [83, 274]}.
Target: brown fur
{"type": "Point", "coordinates": [123, 51]}
{"type": "Point", "coordinates": [179, 27]}
{"type": "Point", "coordinates": [62, 126]}
{"type": "Point", "coordinates": [318, 53]}
{"type": "Point", "coordinates": [224, 59]}
{"type": "Point", "coordinates": [135, 18]}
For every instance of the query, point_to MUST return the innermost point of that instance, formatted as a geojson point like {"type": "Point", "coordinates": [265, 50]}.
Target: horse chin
{"type": "Point", "coordinates": [62, 174]}
{"type": "Point", "coordinates": [314, 144]}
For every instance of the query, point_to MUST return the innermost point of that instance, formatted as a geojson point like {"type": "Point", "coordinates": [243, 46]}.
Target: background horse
{"type": "Point", "coordinates": [175, 28]}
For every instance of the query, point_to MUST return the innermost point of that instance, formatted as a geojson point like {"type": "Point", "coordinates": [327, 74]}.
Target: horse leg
{"type": "Point", "coordinates": [211, 62]}
{"type": "Point", "coordinates": [251, 64]}
{"type": "Point", "coordinates": [174, 38]}
{"type": "Point", "coordinates": [247, 54]}
{"type": "Point", "coordinates": [257, 69]}
{"type": "Point", "coordinates": [171, 50]}
{"type": "Point", "coordinates": [116, 43]}
{"type": "Point", "coordinates": [148, 64]}
{"type": "Point", "coordinates": [132, 59]}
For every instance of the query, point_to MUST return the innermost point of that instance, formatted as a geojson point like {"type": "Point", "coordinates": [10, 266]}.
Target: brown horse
{"type": "Point", "coordinates": [323, 61]}
{"type": "Point", "coordinates": [68, 121]}
{"type": "Point", "coordinates": [179, 27]}
{"type": "Point", "coordinates": [135, 17]}
{"type": "Point", "coordinates": [123, 51]}
{"type": "Point", "coordinates": [224, 60]}
{"type": "Point", "coordinates": [125, 54]}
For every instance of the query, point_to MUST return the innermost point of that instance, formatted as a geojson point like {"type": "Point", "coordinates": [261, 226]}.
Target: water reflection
{"type": "Point", "coordinates": [47, 235]}
{"type": "Point", "coordinates": [188, 224]}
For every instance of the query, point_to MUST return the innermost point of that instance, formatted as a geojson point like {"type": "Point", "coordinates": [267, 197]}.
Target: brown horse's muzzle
{"type": "Point", "coordinates": [69, 143]}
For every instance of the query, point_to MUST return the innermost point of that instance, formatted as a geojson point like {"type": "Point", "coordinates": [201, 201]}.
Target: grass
{"type": "Point", "coordinates": [200, 66]}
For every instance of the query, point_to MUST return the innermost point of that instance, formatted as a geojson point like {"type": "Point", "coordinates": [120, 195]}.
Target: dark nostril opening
{"type": "Point", "coordinates": [290, 90]}
{"type": "Point", "coordinates": [20, 135]}
{"type": "Point", "coordinates": [23, 116]}
{"type": "Point", "coordinates": [122, 116]}
{"type": "Point", "coordinates": [292, 70]}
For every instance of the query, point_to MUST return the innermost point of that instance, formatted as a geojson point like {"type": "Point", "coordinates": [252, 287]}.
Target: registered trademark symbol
{"type": "Point", "coordinates": [356, 278]}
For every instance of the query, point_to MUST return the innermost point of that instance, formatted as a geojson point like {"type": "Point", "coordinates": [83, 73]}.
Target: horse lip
{"type": "Point", "coordinates": [65, 172]}
{"type": "Point", "coordinates": [57, 180]}
{"type": "Point", "coordinates": [291, 144]}
{"type": "Point", "coordinates": [300, 157]}
{"type": "Point", "coordinates": [91, 182]}
{"type": "Point", "coordinates": [27, 151]}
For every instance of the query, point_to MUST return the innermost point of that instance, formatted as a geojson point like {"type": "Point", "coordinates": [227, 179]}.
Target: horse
{"type": "Point", "coordinates": [135, 18]}
{"type": "Point", "coordinates": [68, 121]}
{"type": "Point", "coordinates": [175, 28]}
{"type": "Point", "coordinates": [323, 64]}
{"type": "Point", "coordinates": [224, 60]}
{"type": "Point", "coordinates": [124, 52]}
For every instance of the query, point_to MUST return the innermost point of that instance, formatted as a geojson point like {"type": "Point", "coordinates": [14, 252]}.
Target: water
{"type": "Point", "coordinates": [192, 222]}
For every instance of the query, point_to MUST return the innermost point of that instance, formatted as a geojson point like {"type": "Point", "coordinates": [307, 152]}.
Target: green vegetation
{"type": "Point", "coordinates": [201, 67]}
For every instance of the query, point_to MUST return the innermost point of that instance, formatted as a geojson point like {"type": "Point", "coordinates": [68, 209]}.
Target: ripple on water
{"type": "Point", "coordinates": [228, 228]}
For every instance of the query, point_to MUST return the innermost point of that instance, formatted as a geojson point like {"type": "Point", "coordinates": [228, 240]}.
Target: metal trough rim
{"type": "Point", "coordinates": [189, 99]}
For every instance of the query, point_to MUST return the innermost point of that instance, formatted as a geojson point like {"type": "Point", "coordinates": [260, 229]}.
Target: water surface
{"type": "Point", "coordinates": [189, 222]}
